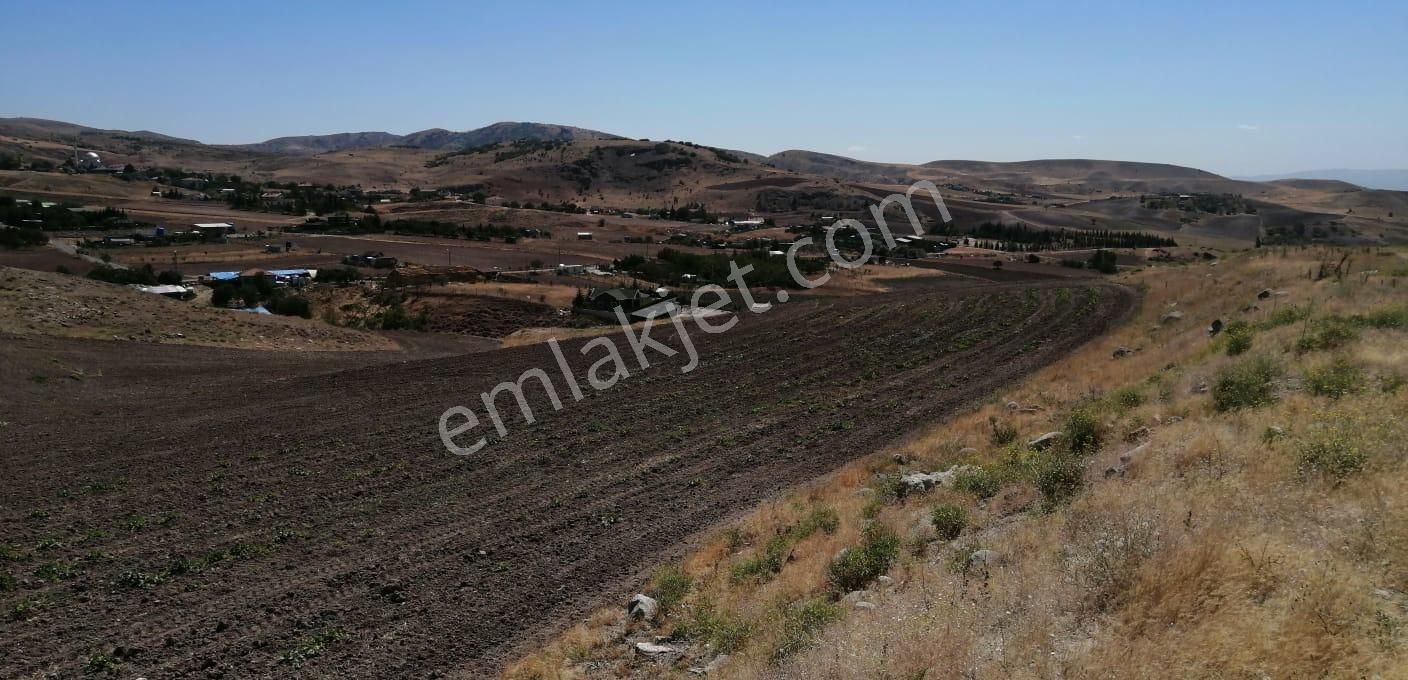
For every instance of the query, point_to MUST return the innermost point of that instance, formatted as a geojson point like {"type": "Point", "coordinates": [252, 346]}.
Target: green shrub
{"type": "Point", "coordinates": [856, 567]}
{"type": "Point", "coordinates": [765, 564]}
{"type": "Point", "coordinates": [1239, 337]}
{"type": "Point", "coordinates": [1083, 432]}
{"type": "Point", "coordinates": [1394, 316]}
{"type": "Point", "coordinates": [1003, 433]}
{"type": "Point", "coordinates": [1126, 398]}
{"type": "Point", "coordinates": [824, 519]}
{"type": "Point", "coordinates": [1247, 384]}
{"type": "Point", "coordinates": [1058, 479]}
{"type": "Point", "coordinates": [1286, 316]}
{"type": "Point", "coordinates": [312, 647]}
{"type": "Point", "coordinates": [1336, 379]}
{"type": "Point", "coordinates": [801, 623]}
{"type": "Point", "coordinates": [1327, 333]}
{"type": "Point", "coordinates": [977, 481]}
{"type": "Point", "coordinates": [948, 520]}
{"type": "Point", "coordinates": [722, 631]}
{"type": "Point", "coordinates": [670, 586]}
{"type": "Point", "coordinates": [1335, 448]}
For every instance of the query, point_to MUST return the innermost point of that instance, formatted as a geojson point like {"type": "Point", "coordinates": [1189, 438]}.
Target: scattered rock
{"type": "Point", "coordinates": [919, 481]}
{"type": "Point", "coordinates": [1137, 435]}
{"type": "Point", "coordinates": [1123, 352]}
{"type": "Point", "coordinates": [659, 652]}
{"type": "Point", "coordinates": [854, 596]}
{"type": "Point", "coordinates": [711, 668]}
{"type": "Point", "coordinates": [1201, 388]}
{"type": "Point", "coordinates": [1265, 293]}
{"type": "Point", "coordinates": [985, 557]}
{"type": "Point", "coordinates": [1174, 315]}
{"type": "Point", "coordinates": [924, 481]}
{"type": "Point", "coordinates": [885, 581]}
{"type": "Point", "coordinates": [1045, 441]}
{"type": "Point", "coordinates": [1133, 453]}
{"type": "Point", "coordinates": [1215, 327]}
{"type": "Point", "coordinates": [967, 451]}
{"type": "Point", "coordinates": [901, 459]}
{"type": "Point", "coordinates": [1174, 419]}
{"type": "Point", "coordinates": [643, 607]}
{"type": "Point", "coordinates": [1013, 406]}
{"type": "Point", "coordinates": [865, 605]}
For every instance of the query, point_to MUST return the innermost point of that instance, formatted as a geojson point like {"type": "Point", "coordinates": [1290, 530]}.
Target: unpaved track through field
{"type": "Point", "coordinates": [214, 510]}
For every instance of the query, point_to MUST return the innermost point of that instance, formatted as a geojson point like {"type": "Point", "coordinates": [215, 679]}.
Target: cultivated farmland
{"type": "Point", "coordinates": [206, 511]}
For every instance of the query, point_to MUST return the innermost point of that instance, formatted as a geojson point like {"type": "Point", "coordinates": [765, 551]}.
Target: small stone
{"type": "Point", "coordinates": [985, 557]}
{"type": "Point", "coordinates": [1045, 441]}
{"type": "Point", "coordinates": [865, 605]}
{"type": "Point", "coordinates": [652, 649]}
{"type": "Point", "coordinates": [643, 607]}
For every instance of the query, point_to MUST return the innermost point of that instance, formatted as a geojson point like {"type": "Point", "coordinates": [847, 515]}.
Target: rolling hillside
{"type": "Point", "coordinates": [535, 163]}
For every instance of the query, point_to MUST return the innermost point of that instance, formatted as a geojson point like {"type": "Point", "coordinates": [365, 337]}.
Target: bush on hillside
{"type": "Point", "coordinates": [856, 567]}
{"type": "Point", "coordinates": [1247, 384]}
{"type": "Point", "coordinates": [948, 520]}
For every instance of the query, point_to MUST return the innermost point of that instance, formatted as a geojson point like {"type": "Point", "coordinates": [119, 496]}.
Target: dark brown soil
{"type": "Point", "coordinates": [200, 512]}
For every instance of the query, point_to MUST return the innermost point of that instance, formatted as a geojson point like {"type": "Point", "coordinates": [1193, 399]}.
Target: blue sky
{"type": "Point", "coordinates": [1236, 88]}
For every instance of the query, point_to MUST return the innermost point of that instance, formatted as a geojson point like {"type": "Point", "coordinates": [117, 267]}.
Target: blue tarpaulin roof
{"type": "Point", "coordinates": [289, 272]}
{"type": "Point", "coordinates": [224, 276]}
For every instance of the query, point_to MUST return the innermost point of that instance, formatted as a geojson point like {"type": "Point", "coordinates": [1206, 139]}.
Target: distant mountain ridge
{"type": "Point", "coordinates": [437, 139]}
{"type": "Point", "coordinates": [1392, 179]}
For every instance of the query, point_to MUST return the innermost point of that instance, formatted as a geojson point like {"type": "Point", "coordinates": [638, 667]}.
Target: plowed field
{"type": "Point", "coordinates": [199, 512]}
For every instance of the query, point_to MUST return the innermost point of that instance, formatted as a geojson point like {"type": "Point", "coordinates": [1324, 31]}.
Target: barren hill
{"type": "Point", "coordinates": [437, 139]}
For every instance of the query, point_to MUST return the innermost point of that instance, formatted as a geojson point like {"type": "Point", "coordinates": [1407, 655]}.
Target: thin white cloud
{"type": "Point", "coordinates": [855, 147]}
{"type": "Point", "coordinates": [1248, 127]}
{"type": "Point", "coordinates": [1078, 138]}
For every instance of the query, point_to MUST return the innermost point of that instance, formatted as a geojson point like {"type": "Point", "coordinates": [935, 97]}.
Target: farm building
{"type": "Point", "coordinates": [584, 236]}
{"type": "Point", "coordinates": [213, 231]}
{"type": "Point", "coordinates": [175, 292]}
{"type": "Point", "coordinates": [629, 299]}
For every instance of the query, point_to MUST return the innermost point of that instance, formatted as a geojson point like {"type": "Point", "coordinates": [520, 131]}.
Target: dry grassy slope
{"type": "Point", "coordinates": [1266, 541]}
{"type": "Point", "coordinates": [41, 304]}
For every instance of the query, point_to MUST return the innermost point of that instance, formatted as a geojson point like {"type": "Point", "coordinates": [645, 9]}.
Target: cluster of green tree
{"type": "Point", "coordinates": [292, 200]}
{"type": "Point", "coordinates": [58, 216]}
{"type": "Point", "coordinates": [523, 147]}
{"type": "Point", "coordinates": [1296, 234]}
{"type": "Point", "coordinates": [343, 223]}
{"type": "Point", "coordinates": [1216, 204]}
{"type": "Point", "coordinates": [260, 291]}
{"type": "Point", "coordinates": [144, 275]}
{"type": "Point", "coordinates": [1103, 261]}
{"type": "Point", "coordinates": [688, 212]}
{"type": "Point", "coordinates": [671, 265]}
{"type": "Point", "coordinates": [18, 237]}
{"type": "Point", "coordinates": [997, 197]}
{"type": "Point", "coordinates": [1020, 238]}
{"type": "Point", "coordinates": [17, 162]}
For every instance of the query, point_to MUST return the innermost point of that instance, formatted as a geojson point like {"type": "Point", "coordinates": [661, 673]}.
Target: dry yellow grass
{"type": "Point", "coordinates": [1214, 552]}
